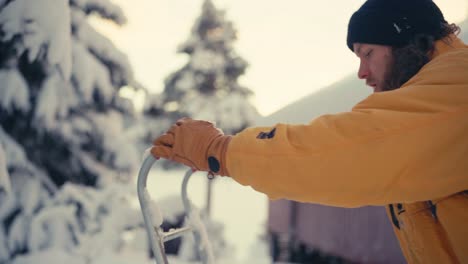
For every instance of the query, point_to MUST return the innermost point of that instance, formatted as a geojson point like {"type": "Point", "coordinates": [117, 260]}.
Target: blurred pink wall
{"type": "Point", "coordinates": [363, 235]}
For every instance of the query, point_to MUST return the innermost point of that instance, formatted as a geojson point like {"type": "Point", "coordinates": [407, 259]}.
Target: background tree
{"type": "Point", "coordinates": [62, 129]}
{"type": "Point", "coordinates": [207, 86]}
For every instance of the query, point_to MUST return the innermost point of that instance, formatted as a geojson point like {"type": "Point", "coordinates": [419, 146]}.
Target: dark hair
{"type": "Point", "coordinates": [446, 30]}
{"type": "Point", "coordinates": [409, 59]}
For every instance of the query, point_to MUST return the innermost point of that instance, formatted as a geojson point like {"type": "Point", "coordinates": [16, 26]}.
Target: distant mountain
{"type": "Point", "coordinates": [338, 97]}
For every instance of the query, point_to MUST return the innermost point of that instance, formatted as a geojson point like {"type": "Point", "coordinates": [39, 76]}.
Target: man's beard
{"type": "Point", "coordinates": [405, 63]}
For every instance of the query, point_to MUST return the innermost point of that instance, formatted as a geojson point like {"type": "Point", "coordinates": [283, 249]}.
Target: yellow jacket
{"type": "Point", "coordinates": [407, 148]}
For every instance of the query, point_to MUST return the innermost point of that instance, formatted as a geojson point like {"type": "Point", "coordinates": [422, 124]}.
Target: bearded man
{"type": "Point", "coordinates": [405, 146]}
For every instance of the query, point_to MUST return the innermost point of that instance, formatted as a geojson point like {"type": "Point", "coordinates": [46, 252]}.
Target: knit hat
{"type": "Point", "coordinates": [393, 22]}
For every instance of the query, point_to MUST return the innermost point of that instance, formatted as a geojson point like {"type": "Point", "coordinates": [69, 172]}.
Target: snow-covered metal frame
{"type": "Point", "coordinates": [156, 235]}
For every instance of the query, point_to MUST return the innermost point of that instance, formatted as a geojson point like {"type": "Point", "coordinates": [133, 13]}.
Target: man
{"type": "Point", "coordinates": [405, 146]}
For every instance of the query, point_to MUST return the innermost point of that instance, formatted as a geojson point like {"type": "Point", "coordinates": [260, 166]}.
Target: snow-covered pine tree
{"type": "Point", "coordinates": [207, 86]}
{"type": "Point", "coordinates": [61, 101]}
{"type": "Point", "coordinates": [61, 128]}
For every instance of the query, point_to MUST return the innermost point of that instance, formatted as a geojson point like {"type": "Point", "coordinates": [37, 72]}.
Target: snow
{"type": "Point", "coordinates": [28, 195]}
{"type": "Point", "coordinates": [16, 157]}
{"type": "Point", "coordinates": [51, 228]}
{"type": "Point", "coordinates": [17, 234]}
{"type": "Point", "coordinates": [109, 127]}
{"type": "Point", "coordinates": [51, 257]}
{"type": "Point", "coordinates": [236, 105]}
{"type": "Point", "coordinates": [156, 216]}
{"type": "Point", "coordinates": [4, 252]}
{"type": "Point", "coordinates": [90, 75]}
{"type": "Point", "coordinates": [207, 87]}
{"type": "Point", "coordinates": [106, 128]}
{"type": "Point", "coordinates": [240, 209]}
{"type": "Point", "coordinates": [170, 207]}
{"type": "Point", "coordinates": [14, 154]}
{"type": "Point", "coordinates": [14, 93]}
{"type": "Point", "coordinates": [73, 138]}
{"type": "Point", "coordinates": [206, 60]}
{"type": "Point", "coordinates": [54, 100]}
{"type": "Point", "coordinates": [104, 8]}
{"type": "Point", "coordinates": [227, 109]}
{"type": "Point", "coordinates": [125, 257]}
{"type": "Point", "coordinates": [5, 185]}
{"type": "Point", "coordinates": [78, 221]}
{"type": "Point", "coordinates": [102, 48]}
{"type": "Point", "coordinates": [203, 241]}
{"type": "Point", "coordinates": [50, 32]}
{"type": "Point", "coordinates": [186, 82]}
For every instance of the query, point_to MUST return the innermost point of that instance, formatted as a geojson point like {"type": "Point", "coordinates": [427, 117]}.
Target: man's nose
{"type": "Point", "coordinates": [363, 72]}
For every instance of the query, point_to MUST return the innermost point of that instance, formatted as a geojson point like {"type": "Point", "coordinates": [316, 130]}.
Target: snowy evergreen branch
{"type": "Point", "coordinates": [207, 86]}
{"type": "Point", "coordinates": [90, 76]}
{"type": "Point", "coordinates": [5, 185]}
{"type": "Point", "coordinates": [14, 93]}
{"type": "Point", "coordinates": [58, 124]}
{"type": "Point", "coordinates": [39, 35]}
{"type": "Point", "coordinates": [55, 100]}
{"type": "Point", "coordinates": [15, 157]}
{"type": "Point", "coordinates": [104, 8]}
{"type": "Point", "coordinates": [102, 48]}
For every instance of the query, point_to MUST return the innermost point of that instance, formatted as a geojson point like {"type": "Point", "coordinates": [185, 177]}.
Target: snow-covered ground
{"type": "Point", "coordinates": [128, 257]}
{"type": "Point", "coordinates": [241, 210]}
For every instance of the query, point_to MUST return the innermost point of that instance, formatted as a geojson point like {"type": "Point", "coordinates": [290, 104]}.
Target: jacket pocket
{"type": "Point", "coordinates": [426, 240]}
{"type": "Point", "coordinates": [453, 216]}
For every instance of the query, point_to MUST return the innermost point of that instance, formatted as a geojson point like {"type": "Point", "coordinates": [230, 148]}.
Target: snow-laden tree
{"type": "Point", "coordinates": [207, 86]}
{"type": "Point", "coordinates": [61, 127]}
{"type": "Point", "coordinates": [61, 99]}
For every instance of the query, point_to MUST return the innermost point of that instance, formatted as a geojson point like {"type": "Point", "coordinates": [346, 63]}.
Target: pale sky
{"type": "Point", "coordinates": [293, 47]}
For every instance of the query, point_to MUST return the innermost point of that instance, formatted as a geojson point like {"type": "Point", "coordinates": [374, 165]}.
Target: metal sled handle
{"type": "Point", "coordinates": [156, 235]}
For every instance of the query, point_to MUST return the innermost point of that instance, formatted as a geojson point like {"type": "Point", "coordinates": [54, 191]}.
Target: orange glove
{"type": "Point", "coordinates": [195, 143]}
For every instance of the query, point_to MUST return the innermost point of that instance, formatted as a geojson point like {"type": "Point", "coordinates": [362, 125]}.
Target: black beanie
{"type": "Point", "coordinates": [393, 22]}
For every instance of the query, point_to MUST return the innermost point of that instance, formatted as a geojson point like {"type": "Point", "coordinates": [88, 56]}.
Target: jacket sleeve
{"type": "Point", "coordinates": [405, 145]}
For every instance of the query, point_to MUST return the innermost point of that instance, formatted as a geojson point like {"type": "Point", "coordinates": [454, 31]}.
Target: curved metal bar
{"type": "Point", "coordinates": [175, 233]}
{"type": "Point", "coordinates": [154, 237]}
{"type": "Point", "coordinates": [203, 247]}
{"type": "Point", "coordinates": [185, 199]}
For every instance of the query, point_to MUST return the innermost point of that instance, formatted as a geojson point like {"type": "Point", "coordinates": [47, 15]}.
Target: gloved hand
{"type": "Point", "coordinates": [195, 143]}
